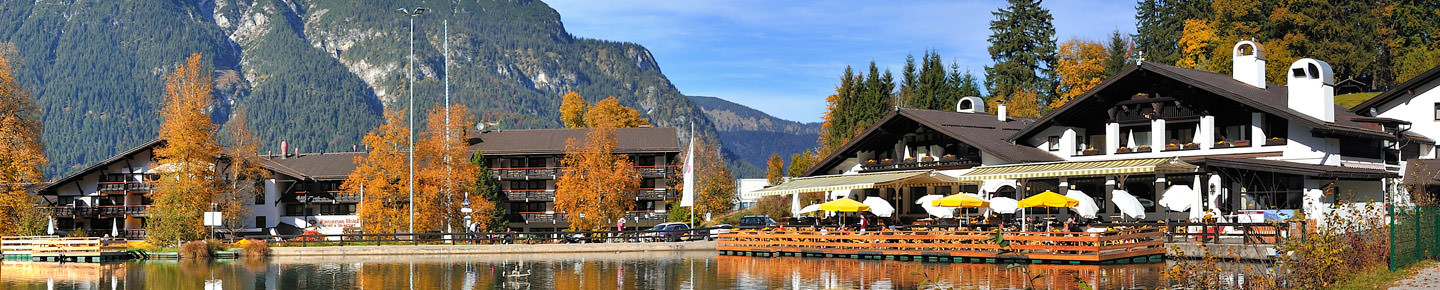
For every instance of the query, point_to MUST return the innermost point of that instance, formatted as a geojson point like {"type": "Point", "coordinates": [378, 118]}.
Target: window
{"type": "Point", "coordinates": [1437, 111]}
{"type": "Point", "coordinates": [260, 198]}
{"type": "Point", "coordinates": [1054, 142]}
{"type": "Point", "coordinates": [260, 222]}
{"type": "Point", "coordinates": [1180, 134]}
{"type": "Point", "coordinates": [1140, 134]}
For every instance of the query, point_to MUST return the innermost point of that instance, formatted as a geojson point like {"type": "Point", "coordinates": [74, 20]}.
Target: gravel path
{"type": "Point", "coordinates": [1428, 278]}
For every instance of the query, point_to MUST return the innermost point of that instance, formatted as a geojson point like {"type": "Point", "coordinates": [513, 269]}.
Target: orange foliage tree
{"type": "Point", "coordinates": [1024, 103]}
{"type": "Point", "coordinates": [572, 110]}
{"type": "Point", "coordinates": [714, 184]}
{"type": "Point", "coordinates": [244, 178]}
{"type": "Point", "coordinates": [610, 113]}
{"type": "Point", "coordinates": [447, 174]}
{"type": "Point", "coordinates": [1080, 66]}
{"type": "Point", "coordinates": [774, 170]}
{"type": "Point", "coordinates": [1197, 41]}
{"type": "Point", "coordinates": [187, 158]}
{"type": "Point", "coordinates": [598, 186]}
{"type": "Point", "coordinates": [381, 177]}
{"type": "Point", "coordinates": [22, 156]}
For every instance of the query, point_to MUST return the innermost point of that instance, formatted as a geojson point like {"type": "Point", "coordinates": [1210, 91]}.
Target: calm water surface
{"type": "Point", "coordinates": [656, 270]}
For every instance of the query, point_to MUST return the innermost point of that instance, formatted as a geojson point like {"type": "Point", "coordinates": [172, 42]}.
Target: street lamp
{"type": "Point", "coordinates": [410, 88]}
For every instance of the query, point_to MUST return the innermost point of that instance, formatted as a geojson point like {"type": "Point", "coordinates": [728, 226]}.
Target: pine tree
{"type": "Point", "coordinates": [1119, 49]}
{"type": "Point", "coordinates": [932, 82]}
{"type": "Point", "coordinates": [910, 80]}
{"type": "Point", "coordinates": [1022, 44]}
{"type": "Point", "coordinates": [1159, 24]}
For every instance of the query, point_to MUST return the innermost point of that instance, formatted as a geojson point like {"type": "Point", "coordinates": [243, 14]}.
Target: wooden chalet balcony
{"type": "Point", "coordinates": [646, 216]}
{"type": "Point", "coordinates": [530, 194]}
{"type": "Point", "coordinates": [911, 165]}
{"type": "Point", "coordinates": [125, 187]}
{"type": "Point", "coordinates": [526, 173]}
{"type": "Point", "coordinates": [99, 211]}
{"type": "Point", "coordinates": [340, 197]}
{"type": "Point", "coordinates": [652, 194]}
{"type": "Point", "coordinates": [655, 171]}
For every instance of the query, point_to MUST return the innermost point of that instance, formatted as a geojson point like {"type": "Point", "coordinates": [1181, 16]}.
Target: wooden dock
{"type": "Point", "coordinates": [63, 249]}
{"type": "Point", "coordinates": [1140, 245]}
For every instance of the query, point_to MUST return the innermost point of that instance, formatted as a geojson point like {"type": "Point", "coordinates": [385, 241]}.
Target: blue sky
{"type": "Point", "coordinates": [784, 57]}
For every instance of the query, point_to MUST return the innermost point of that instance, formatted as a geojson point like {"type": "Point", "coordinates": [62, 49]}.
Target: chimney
{"type": "Point", "coordinates": [1000, 111]}
{"type": "Point", "coordinates": [284, 148]}
{"type": "Point", "coordinates": [297, 151]}
{"type": "Point", "coordinates": [1311, 87]}
{"type": "Point", "coordinates": [970, 105]}
{"type": "Point", "coordinates": [1248, 64]}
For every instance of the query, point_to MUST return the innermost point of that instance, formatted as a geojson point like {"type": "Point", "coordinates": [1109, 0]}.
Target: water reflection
{"type": "Point", "coordinates": [657, 270]}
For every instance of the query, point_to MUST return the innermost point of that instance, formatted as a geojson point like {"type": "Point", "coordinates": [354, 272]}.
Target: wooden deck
{"type": "Point", "coordinates": [1131, 245]}
{"type": "Point", "coordinates": [63, 249]}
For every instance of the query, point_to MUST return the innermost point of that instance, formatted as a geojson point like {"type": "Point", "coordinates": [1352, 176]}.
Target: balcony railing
{"type": "Point", "coordinates": [655, 171]}
{"type": "Point", "coordinates": [99, 211]}
{"type": "Point", "coordinates": [652, 194]}
{"type": "Point", "coordinates": [527, 173]}
{"type": "Point", "coordinates": [904, 165]}
{"type": "Point", "coordinates": [340, 196]}
{"type": "Point", "coordinates": [126, 186]}
{"type": "Point", "coordinates": [559, 217]}
{"type": "Point", "coordinates": [530, 194]}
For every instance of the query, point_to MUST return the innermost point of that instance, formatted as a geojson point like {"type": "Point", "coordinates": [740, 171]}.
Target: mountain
{"type": "Point", "coordinates": [753, 136]}
{"type": "Point", "coordinates": [315, 73]}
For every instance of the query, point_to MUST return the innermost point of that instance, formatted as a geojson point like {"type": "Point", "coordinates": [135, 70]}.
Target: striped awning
{"type": "Point", "coordinates": [856, 181]}
{"type": "Point", "coordinates": [1078, 169]}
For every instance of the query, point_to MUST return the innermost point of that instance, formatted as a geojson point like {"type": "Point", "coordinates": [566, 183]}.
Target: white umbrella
{"type": "Point", "coordinates": [879, 206]}
{"type": "Point", "coordinates": [936, 211]}
{"type": "Point", "coordinates": [809, 209]}
{"type": "Point", "coordinates": [1178, 197]}
{"type": "Point", "coordinates": [1004, 204]}
{"type": "Point", "coordinates": [1131, 142]}
{"type": "Point", "coordinates": [50, 230]}
{"type": "Point", "coordinates": [1128, 204]}
{"type": "Point", "coordinates": [115, 228]}
{"type": "Point", "coordinates": [1195, 138]}
{"type": "Point", "coordinates": [1086, 206]}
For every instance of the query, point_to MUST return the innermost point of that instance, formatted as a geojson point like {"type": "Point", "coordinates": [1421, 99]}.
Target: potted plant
{"type": "Point", "coordinates": [1143, 148]}
{"type": "Point", "coordinates": [871, 162]}
{"type": "Point", "coordinates": [887, 161]}
{"type": "Point", "coordinates": [1242, 143]}
{"type": "Point", "coordinates": [909, 159]}
{"type": "Point", "coordinates": [1172, 147]}
{"type": "Point", "coordinates": [927, 159]}
{"type": "Point", "coordinates": [947, 157]}
{"type": "Point", "coordinates": [1090, 151]}
{"type": "Point", "coordinates": [1222, 144]}
{"type": "Point", "coordinates": [1191, 146]}
{"type": "Point", "coordinates": [1123, 150]}
{"type": "Point", "coordinates": [1274, 141]}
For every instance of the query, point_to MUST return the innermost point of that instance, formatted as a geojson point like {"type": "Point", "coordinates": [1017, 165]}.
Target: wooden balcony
{"type": "Point", "coordinates": [526, 173]}
{"type": "Point", "coordinates": [530, 195]}
{"type": "Point", "coordinates": [912, 165]}
{"type": "Point", "coordinates": [99, 211]}
{"type": "Point", "coordinates": [652, 194]}
{"type": "Point", "coordinates": [657, 171]}
{"type": "Point", "coordinates": [125, 187]}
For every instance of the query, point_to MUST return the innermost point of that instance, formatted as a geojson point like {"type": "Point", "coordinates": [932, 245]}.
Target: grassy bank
{"type": "Point", "coordinates": [1381, 277]}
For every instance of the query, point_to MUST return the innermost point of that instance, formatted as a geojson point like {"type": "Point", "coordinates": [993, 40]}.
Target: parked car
{"type": "Point", "coordinates": [716, 230]}
{"type": "Point", "coordinates": [669, 232]}
{"type": "Point", "coordinates": [756, 222]}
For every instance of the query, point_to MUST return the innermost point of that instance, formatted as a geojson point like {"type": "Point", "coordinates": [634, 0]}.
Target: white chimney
{"type": "Point", "coordinates": [1248, 63]}
{"type": "Point", "coordinates": [1000, 111]}
{"type": "Point", "coordinates": [284, 148]}
{"type": "Point", "coordinates": [970, 105]}
{"type": "Point", "coordinates": [1311, 87]}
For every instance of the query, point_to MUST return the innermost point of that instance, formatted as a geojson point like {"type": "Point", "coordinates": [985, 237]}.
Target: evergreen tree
{"type": "Point", "coordinates": [1158, 24]}
{"type": "Point", "coordinates": [1119, 50]}
{"type": "Point", "coordinates": [1022, 44]}
{"type": "Point", "coordinates": [932, 82]}
{"type": "Point", "coordinates": [968, 86]}
{"type": "Point", "coordinates": [910, 79]}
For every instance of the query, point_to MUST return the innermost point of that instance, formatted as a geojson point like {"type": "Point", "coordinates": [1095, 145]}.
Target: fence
{"type": "Point", "coordinates": [565, 237]}
{"type": "Point", "coordinates": [1413, 234]}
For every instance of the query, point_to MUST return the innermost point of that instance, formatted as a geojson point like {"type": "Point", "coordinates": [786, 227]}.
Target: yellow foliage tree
{"type": "Point", "coordinates": [244, 178]}
{"type": "Point", "coordinates": [774, 170]}
{"type": "Point", "coordinates": [1080, 66]}
{"type": "Point", "coordinates": [714, 184]}
{"type": "Point", "coordinates": [1197, 41]}
{"type": "Point", "coordinates": [572, 110]}
{"type": "Point", "coordinates": [598, 186]}
{"type": "Point", "coordinates": [22, 155]}
{"type": "Point", "coordinates": [187, 158]}
{"type": "Point", "coordinates": [1024, 103]}
{"type": "Point", "coordinates": [447, 172]}
{"type": "Point", "coordinates": [609, 113]}
{"type": "Point", "coordinates": [381, 176]}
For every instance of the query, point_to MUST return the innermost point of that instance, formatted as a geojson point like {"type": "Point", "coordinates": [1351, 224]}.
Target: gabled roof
{"type": "Point", "coordinates": [314, 166]}
{"type": "Point", "coordinates": [1295, 168]}
{"type": "Point", "coordinates": [983, 131]}
{"type": "Point", "coordinates": [552, 141]}
{"type": "Point", "coordinates": [102, 164]}
{"type": "Point", "coordinates": [1404, 90]}
{"type": "Point", "coordinates": [1273, 99]}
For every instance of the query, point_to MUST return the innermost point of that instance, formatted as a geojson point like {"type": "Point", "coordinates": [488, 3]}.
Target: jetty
{"type": "Point", "coordinates": [63, 249]}
{"type": "Point", "coordinates": [1134, 245]}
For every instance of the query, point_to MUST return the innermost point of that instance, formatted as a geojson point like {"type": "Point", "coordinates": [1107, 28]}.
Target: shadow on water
{"type": "Point", "coordinates": [654, 270]}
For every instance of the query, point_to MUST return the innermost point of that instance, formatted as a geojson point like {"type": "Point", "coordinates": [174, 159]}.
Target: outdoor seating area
{"type": "Point", "coordinates": [1116, 244]}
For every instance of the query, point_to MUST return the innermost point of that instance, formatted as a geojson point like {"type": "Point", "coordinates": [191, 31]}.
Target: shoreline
{"type": "Point", "coordinates": [389, 250]}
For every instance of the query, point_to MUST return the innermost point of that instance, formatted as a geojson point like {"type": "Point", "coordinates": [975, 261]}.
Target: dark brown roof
{"type": "Point", "coordinates": [1406, 89]}
{"type": "Point", "coordinates": [1272, 99]}
{"type": "Point", "coordinates": [552, 141]}
{"type": "Point", "coordinates": [984, 131]}
{"type": "Point", "coordinates": [314, 166]}
{"type": "Point", "coordinates": [102, 164]}
{"type": "Point", "coordinates": [1302, 169]}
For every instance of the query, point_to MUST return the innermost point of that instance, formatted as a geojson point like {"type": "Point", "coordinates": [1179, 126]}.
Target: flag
{"type": "Point", "coordinates": [688, 194]}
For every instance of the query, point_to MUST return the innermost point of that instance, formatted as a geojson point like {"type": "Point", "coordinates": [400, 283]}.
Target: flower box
{"type": "Point", "coordinates": [1090, 152]}
{"type": "Point", "coordinates": [1143, 148]}
{"type": "Point", "coordinates": [1242, 143]}
{"type": "Point", "coordinates": [927, 159]}
{"type": "Point", "coordinates": [1123, 150]}
{"type": "Point", "coordinates": [871, 162]}
{"type": "Point", "coordinates": [1172, 147]}
{"type": "Point", "coordinates": [1191, 146]}
{"type": "Point", "coordinates": [1275, 141]}
{"type": "Point", "coordinates": [1222, 144]}
{"type": "Point", "coordinates": [947, 157]}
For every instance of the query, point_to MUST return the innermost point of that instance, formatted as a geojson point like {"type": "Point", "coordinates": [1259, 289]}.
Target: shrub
{"type": "Point", "coordinates": [79, 233]}
{"type": "Point", "coordinates": [254, 248]}
{"type": "Point", "coordinates": [195, 249]}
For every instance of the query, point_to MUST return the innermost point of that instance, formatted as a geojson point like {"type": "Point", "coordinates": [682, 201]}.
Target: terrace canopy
{"type": "Point", "coordinates": [898, 179]}
{"type": "Point", "coordinates": [1077, 169]}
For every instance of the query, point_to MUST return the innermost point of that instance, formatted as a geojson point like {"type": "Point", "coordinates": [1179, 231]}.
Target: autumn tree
{"type": "Point", "coordinates": [1159, 25]}
{"type": "Point", "coordinates": [715, 185]}
{"type": "Point", "coordinates": [572, 110]}
{"type": "Point", "coordinates": [22, 156]}
{"type": "Point", "coordinates": [1080, 66]}
{"type": "Point", "coordinates": [446, 172]}
{"type": "Point", "coordinates": [799, 163]}
{"type": "Point", "coordinates": [381, 177]}
{"type": "Point", "coordinates": [485, 188]}
{"type": "Point", "coordinates": [598, 186]}
{"type": "Point", "coordinates": [1022, 44]}
{"type": "Point", "coordinates": [1020, 104]}
{"type": "Point", "coordinates": [609, 113]}
{"type": "Point", "coordinates": [774, 170]}
{"type": "Point", "coordinates": [244, 177]}
{"type": "Point", "coordinates": [1196, 44]}
{"type": "Point", "coordinates": [186, 159]}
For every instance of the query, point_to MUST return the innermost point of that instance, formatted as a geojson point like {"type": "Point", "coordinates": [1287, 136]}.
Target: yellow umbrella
{"type": "Point", "coordinates": [1048, 199]}
{"type": "Point", "coordinates": [844, 205]}
{"type": "Point", "coordinates": [960, 200]}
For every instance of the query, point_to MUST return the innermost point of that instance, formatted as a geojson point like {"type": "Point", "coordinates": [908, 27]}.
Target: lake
{"type": "Point", "coordinates": [652, 270]}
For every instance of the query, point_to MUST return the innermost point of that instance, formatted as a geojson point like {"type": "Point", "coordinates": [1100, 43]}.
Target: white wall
{"type": "Point", "coordinates": [1419, 111]}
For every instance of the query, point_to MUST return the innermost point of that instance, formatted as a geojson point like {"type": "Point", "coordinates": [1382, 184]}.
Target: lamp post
{"type": "Point", "coordinates": [410, 88]}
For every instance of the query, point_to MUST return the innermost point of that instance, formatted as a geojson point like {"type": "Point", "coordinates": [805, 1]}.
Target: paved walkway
{"type": "Point", "coordinates": [1428, 278]}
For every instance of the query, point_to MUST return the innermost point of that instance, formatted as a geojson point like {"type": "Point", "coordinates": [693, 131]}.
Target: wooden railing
{"type": "Point", "coordinates": [97, 211]}
{"type": "Point", "coordinates": [1069, 246]}
{"type": "Point", "coordinates": [1228, 233]}
{"type": "Point", "coordinates": [66, 246]}
{"type": "Point", "coordinates": [559, 217]}
{"type": "Point", "coordinates": [652, 194]}
{"type": "Point", "coordinates": [138, 187]}
{"type": "Point", "coordinates": [560, 237]}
